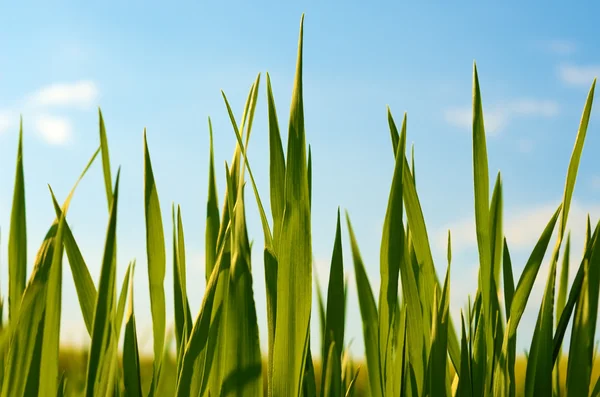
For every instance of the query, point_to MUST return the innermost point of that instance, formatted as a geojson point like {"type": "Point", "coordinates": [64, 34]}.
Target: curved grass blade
{"type": "Point", "coordinates": [155, 248]}
{"type": "Point", "coordinates": [368, 311]}
{"type": "Point", "coordinates": [103, 338]}
{"type": "Point", "coordinates": [105, 159]}
{"type": "Point", "coordinates": [17, 238]}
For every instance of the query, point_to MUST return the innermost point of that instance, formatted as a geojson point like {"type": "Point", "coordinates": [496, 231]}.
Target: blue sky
{"type": "Point", "coordinates": [162, 67]}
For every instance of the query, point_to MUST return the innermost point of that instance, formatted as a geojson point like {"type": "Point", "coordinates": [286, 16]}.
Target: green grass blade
{"type": "Point", "coordinates": [131, 355]}
{"type": "Point", "coordinates": [309, 384]}
{"type": "Point", "coordinates": [212, 212]}
{"type": "Point", "coordinates": [188, 322]}
{"type": "Point", "coordinates": [322, 316]}
{"type": "Point", "coordinates": [105, 160]}
{"type": "Point", "coordinates": [368, 311]}
{"type": "Point", "coordinates": [332, 380]}
{"type": "Point", "coordinates": [276, 164]}
{"type": "Point", "coordinates": [294, 284]}
{"type": "Point", "coordinates": [465, 384]}
{"type": "Point", "coordinates": [51, 334]}
{"type": "Point", "coordinates": [102, 335]}
{"type": "Point", "coordinates": [509, 291]}
{"type": "Point", "coordinates": [334, 323]}
{"type": "Point", "coordinates": [155, 248]}
{"type": "Point", "coordinates": [574, 162]}
{"type": "Point", "coordinates": [179, 309]}
{"type": "Point", "coordinates": [540, 363]}
{"type": "Point", "coordinates": [203, 327]}
{"type": "Point", "coordinates": [581, 350]}
{"type": "Point", "coordinates": [17, 239]}
{"type": "Point", "coordinates": [309, 172]}
{"type": "Point", "coordinates": [439, 343]}
{"type": "Point", "coordinates": [391, 252]}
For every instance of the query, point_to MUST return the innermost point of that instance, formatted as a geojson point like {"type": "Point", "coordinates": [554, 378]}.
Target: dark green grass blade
{"type": "Point", "coordinates": [334, 323]}
{"type": "Point", "coordinates": [465, 384]}
{"type": "Point", "coordinates": [392, 251]}
{"type": "Point", "coordinates": [17, 239]}
{"type": "Point", "coordinates": [131, 355]}
{"type": "Point", "coordinates": [276, 164]}
{"type": "Point", "coordinates": [368, 311]}
{"type": "Point", "coordinates": [103, 329]}
{"type": "Point", "coordinates": [155, 248]}
{"type": "Point", "coordinates": [212, 212]}
{"type": "Point", "coordinates": [122, 300]}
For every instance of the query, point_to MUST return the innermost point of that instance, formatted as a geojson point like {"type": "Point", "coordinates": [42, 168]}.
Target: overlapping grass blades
{"type": "Point", "coordinates": [411, 345]}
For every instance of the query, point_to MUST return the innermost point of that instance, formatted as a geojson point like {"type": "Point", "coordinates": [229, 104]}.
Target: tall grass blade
{"type": "Point", "coordinates": [332, 380]}
{"type": "Point", "coordinates": [103, 335]}
{"type": "Point", "coordinates": [131, 355]}
{"type": "Point", "coordinates": [294, 283]}
{"type": "Point", "coordinates": [368, 311]}
{"type": "Point", "coordinates": [17, 239]}
{"type": "Point", "coordinates": [155, 248]}
{"type": "Point", "coordinates": [212, 211]}
{"type": "Point", "coordinates": [105, 159]}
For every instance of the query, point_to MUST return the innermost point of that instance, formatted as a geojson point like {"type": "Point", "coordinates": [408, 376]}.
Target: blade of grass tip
{"type": "Point", "coordinates": [276, 164]}
{"type": "Point", "coordinates": [393, 132]}
{"type": "Point", "coordinates": [332, 379]}
{"type": "Point", "coordinates": [17, 238]}
{"type": "Point", "coordinates": [177, 288]}
{"type": "Point", "coordinates": [105, 159]}
{"type": "Point", "coordinates": [84, 285]}
{"type": "Point", "coordinates": [508, 365]}
{"type": "Point", "coordinates": [352, 385]}
{"type": "Point", "coordinates": [334, 320]}
{"type": "Point", "coordinates": [580, 365]}
{"type": "Point", "coordinates": [263, 216]}
{"type": "Point", "coordinates": [50, 347]}
{"type": "Point", "coordinates": [122, 299]}
{"type": "Point", "coordinates": [465, 385]}
{"type": "Point", "coordinates": [496, 246]}
{"type": "Point", "coordinates": [182, 273]}
{"type": "Point", "coordinates": [102, 335]}
{"type": "Point", "coordinates": [155, 248]}
{"type": "Point", "coordinates": [368, 311]}
{"type": "Point", "coordinates": [391, 251]}
{"type": "Point", "coordinates": [131, 355]}
{"type": "Point", "coordinates": [294, 284]}
{"type": "Point", "coordinates": [212, 211]}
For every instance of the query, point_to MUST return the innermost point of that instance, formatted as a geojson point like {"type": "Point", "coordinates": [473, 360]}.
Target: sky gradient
{"type": "Point", "coordinates": [162, 68]}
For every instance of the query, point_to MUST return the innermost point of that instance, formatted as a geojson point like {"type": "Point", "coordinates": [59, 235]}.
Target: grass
{"type": "Point", "coordinates": [413, 345]}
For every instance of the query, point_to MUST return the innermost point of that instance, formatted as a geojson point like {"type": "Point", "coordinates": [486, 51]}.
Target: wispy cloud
{"type": "Point", "coordinates": [78, 94]}
{"type": "Point", "coordinates": [497, 117]}
{"type": "Point", "coordinates": [560, 47]}
{"type": "Point", "coordinates": [54, 130]}
{"type": "Point", "coordinates": [578, 75]}
{"type": "Point", "coordinates": [522, 227]}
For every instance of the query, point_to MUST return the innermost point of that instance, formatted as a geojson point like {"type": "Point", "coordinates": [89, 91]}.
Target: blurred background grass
{"type": "Point", "coordinates": [73, 363]}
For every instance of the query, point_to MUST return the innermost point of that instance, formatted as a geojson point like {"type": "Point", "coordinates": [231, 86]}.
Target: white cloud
{"type": "Point", "coordinates": [6, 120]}
{"type": "Point", "coordinates": [79, 94]}
{"type": "Point", "coordinates": [578, 75]}
{"type": "Point", "coordinates": [522, 227]}
{"type": "Point", "coordinates": [561, 47]}
{"type": "Point", "coordinates": [54, 130]}
{"type": "Point", "coordinates": [497, 117]}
